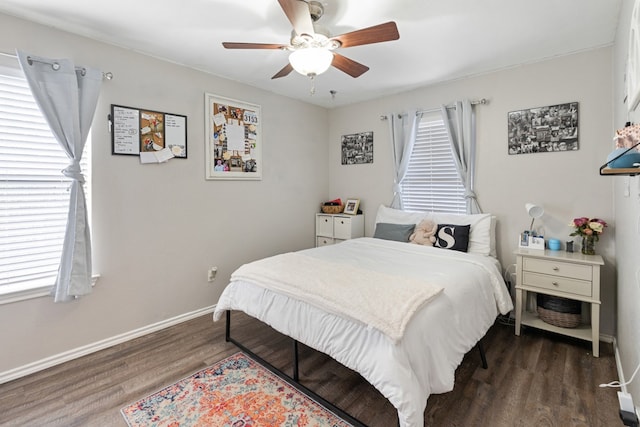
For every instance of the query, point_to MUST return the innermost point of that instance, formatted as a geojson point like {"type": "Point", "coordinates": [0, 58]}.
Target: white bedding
{"type": "Point", "coordinates": [435, 340]}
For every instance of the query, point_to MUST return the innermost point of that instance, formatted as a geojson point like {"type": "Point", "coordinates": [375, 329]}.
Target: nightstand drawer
{"type": "Point", "coordinates": [564, 269]}
{"type": "Point", "coordinates": [557, 283]}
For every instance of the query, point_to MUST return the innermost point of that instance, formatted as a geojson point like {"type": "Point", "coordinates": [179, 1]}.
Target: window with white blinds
{"type": "Point", "coordinates": [34, 195]}
{"type": "Point", "coordinates": [432, 182]}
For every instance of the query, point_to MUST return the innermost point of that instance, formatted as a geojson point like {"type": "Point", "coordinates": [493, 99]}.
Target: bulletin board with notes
{"type": "Point", "coordinates": [154, 136]}
{"type": "Point", "coordinates": [233, 139]}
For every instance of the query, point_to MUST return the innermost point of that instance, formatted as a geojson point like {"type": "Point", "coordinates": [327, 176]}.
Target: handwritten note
{"type": "Point", "coordinates": [126, 131]}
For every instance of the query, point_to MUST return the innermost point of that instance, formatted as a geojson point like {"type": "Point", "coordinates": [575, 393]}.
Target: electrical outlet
{"type": "Point", "coordinates": [211, 276]}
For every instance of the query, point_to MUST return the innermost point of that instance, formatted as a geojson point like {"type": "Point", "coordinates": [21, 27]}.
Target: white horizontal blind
{"type": "Point", "coordinates": [34, 196]}
{"type": "Point", "coordinates": [432, 182]}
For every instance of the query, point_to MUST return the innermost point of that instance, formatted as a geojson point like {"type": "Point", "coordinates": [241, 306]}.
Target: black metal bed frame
{"type": "Point", "coordinates": [295, 379]}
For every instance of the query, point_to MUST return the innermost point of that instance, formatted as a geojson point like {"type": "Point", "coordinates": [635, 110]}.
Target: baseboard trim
{"type": "Point", "coordinates": [57, 359]}
{"type": "Point", "coordinates": [621, 380]}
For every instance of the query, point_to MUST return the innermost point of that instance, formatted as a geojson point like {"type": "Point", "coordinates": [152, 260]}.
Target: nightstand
{"type": "Point", "coordinates": [334, 228]}
{"type": "Point", "coordinates": [563, 274]}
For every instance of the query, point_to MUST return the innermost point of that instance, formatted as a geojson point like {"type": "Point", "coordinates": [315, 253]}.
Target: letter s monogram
{"type": "Point", "coordinates": [446, 234]}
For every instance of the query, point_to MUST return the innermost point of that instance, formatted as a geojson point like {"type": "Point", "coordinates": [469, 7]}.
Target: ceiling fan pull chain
{"type": "Point", "coordinates": [313, 85]}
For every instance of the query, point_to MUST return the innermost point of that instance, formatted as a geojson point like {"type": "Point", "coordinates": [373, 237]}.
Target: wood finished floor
{"type": "Point", "coordinates": [537, 379]}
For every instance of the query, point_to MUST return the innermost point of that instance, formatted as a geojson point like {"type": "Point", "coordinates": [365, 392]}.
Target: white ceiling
{"type": "Point", "coordinates": [439, 39]}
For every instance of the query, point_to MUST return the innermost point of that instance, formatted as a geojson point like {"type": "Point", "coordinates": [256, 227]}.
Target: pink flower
{"type": "Point", "coordinates": [580, 222]}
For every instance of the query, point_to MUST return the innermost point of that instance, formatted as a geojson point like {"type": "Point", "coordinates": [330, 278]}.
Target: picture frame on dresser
{"type": "Point", "coordinates": [351, 206]}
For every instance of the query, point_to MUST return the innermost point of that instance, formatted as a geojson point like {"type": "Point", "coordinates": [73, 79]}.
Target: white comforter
{"type": "Point", "coordinates": [435, 340]}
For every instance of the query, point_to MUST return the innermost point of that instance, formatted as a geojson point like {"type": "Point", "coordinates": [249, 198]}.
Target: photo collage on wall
{"type": "Point", "coordinates": [234, 144]}
{"type": "Point", "coordinates": [357, 148]}
{"type": "Point", "coordinates": [544, 129]}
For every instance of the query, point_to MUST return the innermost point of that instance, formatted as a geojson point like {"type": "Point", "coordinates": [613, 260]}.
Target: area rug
{"type": "Point", "coordinates": [235, 392]}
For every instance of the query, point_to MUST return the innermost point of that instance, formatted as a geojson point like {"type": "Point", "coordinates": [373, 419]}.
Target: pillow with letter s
{"type": "Point", "coordinates": [453, 236]}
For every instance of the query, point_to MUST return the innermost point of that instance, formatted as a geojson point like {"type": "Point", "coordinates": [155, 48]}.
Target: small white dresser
{"type": "Point", "coordinates": [334, 228]}
{"type": "Point", "coordinates": [563, 274]}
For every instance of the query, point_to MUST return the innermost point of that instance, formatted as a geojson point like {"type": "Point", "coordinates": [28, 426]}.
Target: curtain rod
{"type": "Point", "coordinates": [108, 75]}
{"type": "Point", "coordinates": [482, 101]}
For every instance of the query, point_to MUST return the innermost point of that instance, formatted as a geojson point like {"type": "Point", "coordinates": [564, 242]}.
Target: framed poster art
{"type": "Point", "coordinates": [543, 129]}
{"type": "Point", "coordinates": [233, 139]}
{"type": "Point", "coordinates": [139, 131]}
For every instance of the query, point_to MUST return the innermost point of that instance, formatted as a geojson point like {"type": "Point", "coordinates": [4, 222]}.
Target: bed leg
{"type": "Point", "coordinates": [227, 328]}
{"type": "Point", "coordinates": [296, 376]}
{"type": "Point", "coordinates": [483, 356]}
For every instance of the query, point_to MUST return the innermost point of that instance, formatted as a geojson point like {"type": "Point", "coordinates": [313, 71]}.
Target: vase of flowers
{"type": "Point", "coordinates": [589, 229]}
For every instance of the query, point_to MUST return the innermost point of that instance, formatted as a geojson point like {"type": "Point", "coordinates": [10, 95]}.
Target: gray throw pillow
{"type": "Point", "coordinates": [397, 232]}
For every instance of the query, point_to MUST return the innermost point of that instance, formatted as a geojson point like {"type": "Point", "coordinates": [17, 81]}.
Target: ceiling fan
{"type": "Point", "coordinates": [313, 49]}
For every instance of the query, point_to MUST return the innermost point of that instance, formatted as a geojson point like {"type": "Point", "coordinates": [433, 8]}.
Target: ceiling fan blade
{"type": "Point", "coordinates": [297, 12]}
{"type": "Point", "coordinates": [233, 45]}
{"type": "Point", "coordinates": [349, 66]}
{"type": "Point", "coordinates": [284, 72]}
{"type": "Point", "coordinates": [376, 34]}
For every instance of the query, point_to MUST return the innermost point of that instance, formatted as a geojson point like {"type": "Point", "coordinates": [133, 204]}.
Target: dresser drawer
{"type": "Point", "coordinates": [342, 227]}
{"type": "Point", "coordinates": [557, 283]}
{"type": "Point", "coordinates": [324, 241]}
{"type": "Point", "coordinates": [324, 225]}
{"type": "Point", "coordinates": [564, 269]}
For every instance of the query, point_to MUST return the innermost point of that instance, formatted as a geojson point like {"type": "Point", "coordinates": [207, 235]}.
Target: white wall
{"type": "Point", "coordinates": [627, 214]}
{"type": "Point", "coordinates": [566, 184]}
{"type": "Point", "coordinates": [157, 228]}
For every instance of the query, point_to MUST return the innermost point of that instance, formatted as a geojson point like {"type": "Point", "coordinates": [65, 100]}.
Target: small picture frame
{"type": "Point", "coordinates": [351, 206]}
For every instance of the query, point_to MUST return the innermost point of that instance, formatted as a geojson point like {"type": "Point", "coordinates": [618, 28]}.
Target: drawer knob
{"type": "Point", "coordinates": [555, 283]}
{"type": "Point", "coordinates": [326, 220]}
{"type": "Point", "coordinates": [341, 222]}
{"type": "Point", "coordinates": [556, 269]}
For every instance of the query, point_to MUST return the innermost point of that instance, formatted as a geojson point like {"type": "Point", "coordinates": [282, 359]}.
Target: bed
{"type": "Point", "coordinates": [407, 349]}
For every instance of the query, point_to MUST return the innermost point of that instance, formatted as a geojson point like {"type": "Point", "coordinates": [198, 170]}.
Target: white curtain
{"type": "Point", "coordinates": [460, 123]}
{"type": "Point", "coordinates": [403, 129]}
{"type": "Point", "coordinates": [67, 96]}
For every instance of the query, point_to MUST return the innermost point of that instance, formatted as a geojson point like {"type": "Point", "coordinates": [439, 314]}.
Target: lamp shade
{"type": "Point", "coordinates": [311, 61]}
{"type": "Point", "coordinates": [534, 211]}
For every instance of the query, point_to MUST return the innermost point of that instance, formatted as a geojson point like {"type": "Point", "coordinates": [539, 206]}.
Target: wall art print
{"type": "Point", "coordinates": [233, 139]}
{"type": "Point", "coordinates": [544, 129]}
{"type": "Point", "coordinates": [357, 148]}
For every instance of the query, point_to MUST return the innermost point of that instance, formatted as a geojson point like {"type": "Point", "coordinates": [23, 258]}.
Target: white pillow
{"type": "Point", "coordinates": [481, 237]}
{"type": "Point", "coordinates": [396, 216]}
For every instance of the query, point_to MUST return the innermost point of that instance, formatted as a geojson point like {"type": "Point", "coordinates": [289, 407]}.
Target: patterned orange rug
{"type": "Point", "coordinates": [235, 392]}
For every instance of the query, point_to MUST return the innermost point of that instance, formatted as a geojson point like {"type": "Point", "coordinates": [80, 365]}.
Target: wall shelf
{"type": "Point", "coordinates": [604, 170]}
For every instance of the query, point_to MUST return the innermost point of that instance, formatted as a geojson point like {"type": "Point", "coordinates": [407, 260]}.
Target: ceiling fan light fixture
{"type": "Point", "coordinates": [311, 61]}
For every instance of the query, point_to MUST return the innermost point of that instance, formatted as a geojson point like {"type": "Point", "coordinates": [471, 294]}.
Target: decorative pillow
{"type": "Point", "coordinates": [397, 232]}
{"type": "Point", "coordinates": [453, 236]}
{"type": "Point", "coordinates": [482, 232]}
